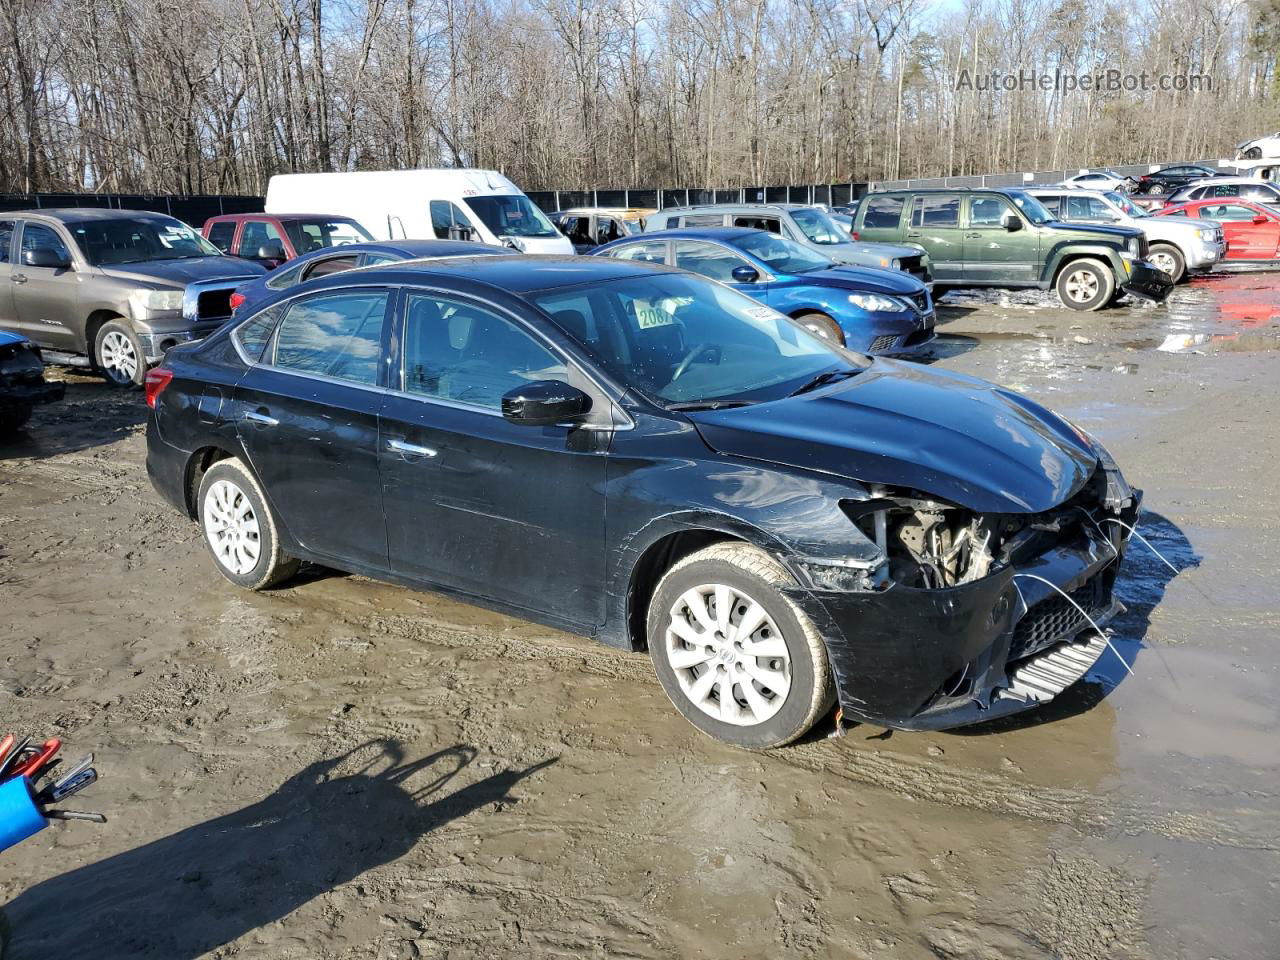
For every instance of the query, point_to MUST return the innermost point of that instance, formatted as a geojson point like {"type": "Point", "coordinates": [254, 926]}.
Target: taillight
{"type": "Point", "coordinates": [157, 379]}
{"type": "Point", "coordinates": [854, 234]}
{"type": "Point", "coordinates": [237, 299]}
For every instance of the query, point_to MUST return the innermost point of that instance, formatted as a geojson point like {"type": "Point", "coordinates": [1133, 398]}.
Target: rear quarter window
{"type": "Point", "coordinates": [253, 335]}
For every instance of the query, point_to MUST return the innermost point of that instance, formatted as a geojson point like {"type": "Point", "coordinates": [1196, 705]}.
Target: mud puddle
{"type": "Point", "coordinates": [345, 769]}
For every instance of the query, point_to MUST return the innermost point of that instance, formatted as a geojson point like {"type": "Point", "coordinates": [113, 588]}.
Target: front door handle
{"type": "Point", "coordinates": [973, 236]}
{"type": "Point", "coordinates": [256, 416]}
{"type": "Point", "coordinates": [914, 233]}
{"type": "Point", "coordinates": [410, 449]}
{"type": "Point", "coordinates": [19, 278]}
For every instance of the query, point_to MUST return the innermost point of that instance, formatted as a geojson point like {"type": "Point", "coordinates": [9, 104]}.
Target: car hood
{"type": "Point", "coordinates": [963, 440]}
{"type": "Point", "coordinates": [182, 272]}
{"type": "Point", "coordinates": [1097, 228]}
{"type": "Point", "coordinates": [873, 279]}
{"type": "Point", "coordinates": [8, 339]}
{"type": "Point", "coordinates": [855, 251]}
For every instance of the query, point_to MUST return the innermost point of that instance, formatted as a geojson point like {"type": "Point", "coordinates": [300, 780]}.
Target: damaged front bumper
{"type": "Point", "coordinates": [930, 659]}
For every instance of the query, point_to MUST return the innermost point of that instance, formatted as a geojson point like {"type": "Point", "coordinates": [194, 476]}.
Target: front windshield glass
{"type": "Point", "coordinates": [320, 232]}
{"type": "Point", "coordinates": [104, 242]}
{"type": "Point", "coordinates": [679, 339]}
{"type": "Point", "coordinates": [508, 215]}
{"type": "Point", "coordinates": [780, 254]}
{"type": "Point", "coordinates": [1127, 205]}
{"type": "Point", "coordinates": [1030, 206]}
{"type": "Point", "coordinates": [819, 227]}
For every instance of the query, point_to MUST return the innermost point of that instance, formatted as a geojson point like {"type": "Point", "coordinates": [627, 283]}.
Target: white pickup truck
{"type": "Point", "coordinates": [1179, 245]}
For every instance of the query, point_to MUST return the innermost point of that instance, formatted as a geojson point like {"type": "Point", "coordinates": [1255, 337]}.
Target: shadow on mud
{"type": "Point", "coordinates": [1141, 585]}
{"type": "Point", "coordinates": [93, 414]}
{"type": "Point", "coordinates": [195, 890]}
{"type": "Point", "coordinates": [945, 346]}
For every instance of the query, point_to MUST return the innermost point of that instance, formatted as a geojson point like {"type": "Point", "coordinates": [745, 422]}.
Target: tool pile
{"type": "Point", "coordinates": [27, 807]}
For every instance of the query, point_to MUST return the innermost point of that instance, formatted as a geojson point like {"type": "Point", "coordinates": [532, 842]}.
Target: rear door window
{"type": "Point", "coordinates": [334, 335]}
{"type": "Point", "coordinates": [772, 224]}
{"type": "Point", "coordinates": [1220, 190]}
{"type": "Point", "coordinates": [6, 238]}
{"type": "Point", "coordinates": [933, 211]}
{"type": "Point", "coordinates": [655, 251]}
{"type": "Point", "coordinates": [255, 235]}
{"type": "Point", "coordinates": [883, 212]}
{"type": "Point", "coordinates": [1227, 211]}
{"type": "Point", "coordinates": [222, 234]}
{"type": "Point", "coordinates": [702, 220]}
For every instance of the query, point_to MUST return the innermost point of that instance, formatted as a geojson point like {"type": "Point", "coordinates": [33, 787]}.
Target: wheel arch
{"type": "Point", "coordinates": [96, 321]}
{"type": "Point", "coordinates": [198, 465]}
{"type": "Point", "coordinates": [666, 547]}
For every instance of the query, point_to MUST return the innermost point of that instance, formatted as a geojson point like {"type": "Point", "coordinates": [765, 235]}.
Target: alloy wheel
{"type": "Point", "coordinates": [1082, 286]}
{"type": "Point", "coordinates": [728, 655]}
{"type": "Point", "coordinates": [231, 527]}
{"type": "Point", "coordinates": [118, 358]}
{"type": "Point", "coordinates": [1163, 261]}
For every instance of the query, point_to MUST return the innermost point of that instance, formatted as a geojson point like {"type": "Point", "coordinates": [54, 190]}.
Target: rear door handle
{"type": "Point", "coordinates": [19, 278]}
{"type": "Point", "coordinates": [256, 416]}
{"type": "Point", "coordinates": [973, 236]}
{"type": "Point", "coordinates": [410, 449]}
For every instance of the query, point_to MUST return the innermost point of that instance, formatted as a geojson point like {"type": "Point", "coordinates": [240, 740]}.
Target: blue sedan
{"type": "Point", "coordinates": [868, 309]}
{"type": "Point", "coordinates": [327, 260]}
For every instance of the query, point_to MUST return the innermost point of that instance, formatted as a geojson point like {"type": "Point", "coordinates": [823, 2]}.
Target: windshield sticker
{"type": "Point", "coordinates": [763, 313]}
{"type": "Point", "coordinates": [171, 235]}
{"type": "Point", "coordinates": [663, 314]}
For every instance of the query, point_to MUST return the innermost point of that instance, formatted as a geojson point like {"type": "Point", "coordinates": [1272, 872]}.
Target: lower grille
{"type": "Point", "coordinates": [214, 304]}
{"type": "Point", "coordinates": [883, 343]}
{"type": "Point", "coordinates": [1045, 676]}
{"type": "Point", "coordinates": [1054, 619]}
{"type": "Point", "coordinates": [919, 337]}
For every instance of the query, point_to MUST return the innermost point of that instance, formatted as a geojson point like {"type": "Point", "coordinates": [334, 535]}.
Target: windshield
{"type": "Point", "coordinates": [780, 254]}
{"type": "Point", "coordinates": [1125, 204]}
{"type": "Point", "coordinates": [509, 215]}
{"type": "Point", "coordinates": [105, 242]}
{"type": "Point", "coordinates": [321, 232]}
{"type": "Point", "coordinates": [819, 227]}
{"type": "Point", "coordinates": [679, 339]}
{"type": "Point", "coordinates": [1030, 206]}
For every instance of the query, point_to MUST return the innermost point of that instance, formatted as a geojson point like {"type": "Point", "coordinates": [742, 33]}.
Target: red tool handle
{"type": "Point", "coordinates": [6, 745]}
{"type": "Point", "coordinates": [29, 766]}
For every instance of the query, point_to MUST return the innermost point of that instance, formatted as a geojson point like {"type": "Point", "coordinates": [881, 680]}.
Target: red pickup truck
{"type": "Point", "coordinates": [271, 239]}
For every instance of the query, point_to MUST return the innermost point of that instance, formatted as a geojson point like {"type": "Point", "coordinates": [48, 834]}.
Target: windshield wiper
{"type": "Point", "coordinates": [708, 405]}
{"type": "Point", "coordinates": [822, 379]}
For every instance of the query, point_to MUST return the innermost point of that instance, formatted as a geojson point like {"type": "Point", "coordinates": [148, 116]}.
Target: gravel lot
{"type": "Point", "coordinates": [346, 769]}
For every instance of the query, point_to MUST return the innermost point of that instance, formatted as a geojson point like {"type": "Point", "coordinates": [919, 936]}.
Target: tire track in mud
{"type": "Point", "coordinates": [941, 783]}
{"type": "Point", "coordinates": [991, 793]}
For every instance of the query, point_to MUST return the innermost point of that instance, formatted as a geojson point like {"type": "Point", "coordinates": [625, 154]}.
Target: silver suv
{"type": "Point", "coordinates": [112, 289]}
{"type": "Point", "coordinates": [1177, 245]}
{"type": "Point", "coordinates": [805, 225]}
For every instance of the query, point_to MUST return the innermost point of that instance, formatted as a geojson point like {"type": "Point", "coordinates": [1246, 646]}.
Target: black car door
{"type": "Point", "coordinates": [474, 502]}
{"type": "Point", "coordinates": [307, 416]}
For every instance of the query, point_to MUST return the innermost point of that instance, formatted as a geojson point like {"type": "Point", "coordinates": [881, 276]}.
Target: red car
{"type": "Point", "coordinates": [270, 239]}
{"type": "Point", "coordinates": [1252, 230]}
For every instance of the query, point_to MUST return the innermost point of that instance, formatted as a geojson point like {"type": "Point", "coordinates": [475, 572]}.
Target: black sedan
{"type": "Point", "coordinates": [327, 260]}
{"type": "Point", "coordinates": [649, 457]}
{"type": "Point", "coordinates": [22, 383]}
{"type": "Point", "coordinates": [1169, 179]}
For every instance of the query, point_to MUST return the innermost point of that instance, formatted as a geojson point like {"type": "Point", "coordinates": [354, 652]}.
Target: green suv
{"type": "Point", "coordinates": [1006, 238]}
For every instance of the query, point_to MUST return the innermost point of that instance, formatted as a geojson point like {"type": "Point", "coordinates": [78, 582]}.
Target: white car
{"type": "Point", "coordinates": [1100, 180]}
{"type": "Point", "coordinates": [1268, 146]}
{"type": "Point", "coordinates": [1177, 245]}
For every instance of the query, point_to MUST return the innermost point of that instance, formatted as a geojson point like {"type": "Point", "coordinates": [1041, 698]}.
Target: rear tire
{"type": "Point", "coordinates": [118, 355]}
{"type": "Point", "coordinates": [239, 528]}
{"type": "Point", "coordinates": [780, 657]}
{"type": "Point", "coordinates": [1156, 189]}
{"type": "Point", "coordinates": [1085, 285]}
{"type": "Point", "coordinates": [823, 326]}
{"type": "Point", "coordinates": [1169, 259]}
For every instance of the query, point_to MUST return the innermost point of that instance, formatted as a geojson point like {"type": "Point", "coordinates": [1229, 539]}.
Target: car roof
{"type": "Point", "coordinates": [699, 233]}
{"type": "Point", "coordinates": [616, 211]}
{"type": "Point", "coordinates": [1223, 181]}
{"type": "Point", "coordinates": [76, 214]}
{"type": "Point", "coordinates": [518, 273]}
{"type": "Point", "coordinates": [913, 190]}
{"type": "Point", "coordinates": [282, 216]}
{"type": "Point", "coordinates": [730, 207]}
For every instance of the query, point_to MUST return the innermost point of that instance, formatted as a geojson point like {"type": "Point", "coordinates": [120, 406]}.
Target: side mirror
{"type": "Point", "coordinates": [1259, 219]}
{"type": "Point", "coordinates": [1011, 221]}
{"type": "Point", "coordinates": [271, 250]}
{"type": "Point", "coordinates": [542, 403]}
{"type": "Point", "coordinates": [45, 257]}
{"type": "Point", "coordinates": [745, 274]}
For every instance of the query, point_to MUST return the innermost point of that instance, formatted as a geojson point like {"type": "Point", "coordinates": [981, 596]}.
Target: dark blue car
{"type": "Point", "coordinates": [868, 309]}
{"type": "Point", "coordinates": [327, 260]}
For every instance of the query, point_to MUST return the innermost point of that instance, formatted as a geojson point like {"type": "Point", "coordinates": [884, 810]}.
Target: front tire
{"type": "Point", "coordinates": [823, 326]}
{"type": "Point", "coordinates": [239, 528]}
{"type": "Point", "coordinates": [119, 356]}
{"type": "Point", "coordinates": [1085, 285]}
{"type": "Point", "coordinates": [736, 657]}
{"type": "Point", "coordinates": [1156, 189]}
{"type": "Point", "coordinates": [13, 418]}
{"type": "Point", "coordinates": [1168, 258]}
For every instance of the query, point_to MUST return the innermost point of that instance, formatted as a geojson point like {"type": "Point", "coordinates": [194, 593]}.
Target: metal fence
{"type": "Point", "coordinates": [1039, 176]}
{"type": "Point", "coordinates": [194, 210]}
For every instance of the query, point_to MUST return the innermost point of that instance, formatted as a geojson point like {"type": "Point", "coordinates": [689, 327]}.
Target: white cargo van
{"type": "Point", "coordinates": [480, 205]}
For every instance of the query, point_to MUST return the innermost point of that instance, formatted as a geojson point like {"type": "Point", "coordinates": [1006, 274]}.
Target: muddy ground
{"type": "Point", "coordinates": [343, 769]}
